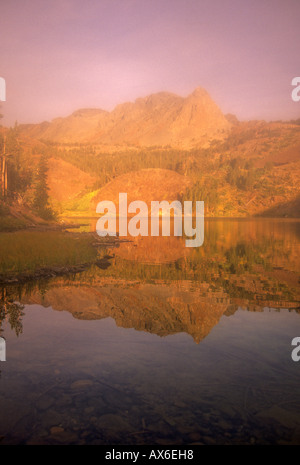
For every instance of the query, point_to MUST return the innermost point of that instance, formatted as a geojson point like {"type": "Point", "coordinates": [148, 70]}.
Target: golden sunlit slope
{"type": "Point", "coordinates": [66, 181]}
{"type": "Point", "coordinates": [147, 185]}
{"type": "Point", "coordinates": [157, 120]}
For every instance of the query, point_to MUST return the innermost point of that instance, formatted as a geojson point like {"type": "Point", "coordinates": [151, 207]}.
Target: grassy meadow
{"type": "Point", "coordinates": [22, 251]}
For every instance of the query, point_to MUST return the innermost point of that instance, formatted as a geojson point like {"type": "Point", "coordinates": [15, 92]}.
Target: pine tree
{"type": "Point", "coordinates": [41, 196]}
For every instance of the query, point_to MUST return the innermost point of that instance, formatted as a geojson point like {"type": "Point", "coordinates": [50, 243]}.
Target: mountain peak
{"type": "Point", "coordinates": [199, 92]}
{"type": "Point", "coordinates": [160, 119]}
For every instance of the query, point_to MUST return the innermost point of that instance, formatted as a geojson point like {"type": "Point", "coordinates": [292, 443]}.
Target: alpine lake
{"type": "Point", "coordinates": [151, 342]}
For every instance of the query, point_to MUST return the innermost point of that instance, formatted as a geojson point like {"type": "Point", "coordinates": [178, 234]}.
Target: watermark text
{"type": "Point", "coordinates": [160, 214]}
{"type": "Point", "coordinates": [2, 349]}
{"type": "Point", "coordinates": [2, 90]}
{"type": "Point", "coordinates": [296, 91]}
{"type": "Point", "coordinates": [296, 352]}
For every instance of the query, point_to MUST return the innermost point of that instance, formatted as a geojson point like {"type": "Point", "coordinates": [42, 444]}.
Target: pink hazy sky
{"type": "Point", "coordinates": [61, 55]}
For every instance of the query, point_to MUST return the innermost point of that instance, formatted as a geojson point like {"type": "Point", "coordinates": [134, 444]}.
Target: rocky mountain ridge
{"type": "Point", "coordinates": [161, 119]}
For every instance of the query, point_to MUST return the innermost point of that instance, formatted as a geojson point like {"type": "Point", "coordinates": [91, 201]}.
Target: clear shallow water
{"type": "Point", "coordinates": [135, 355]}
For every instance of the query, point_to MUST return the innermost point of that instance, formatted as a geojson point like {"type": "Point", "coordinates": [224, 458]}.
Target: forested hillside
{"type": "Point", "coordinates": [253, 169]}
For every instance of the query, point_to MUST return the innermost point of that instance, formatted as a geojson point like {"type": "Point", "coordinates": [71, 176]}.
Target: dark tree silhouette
{"type": "Point", "coordinates": [41, 196]}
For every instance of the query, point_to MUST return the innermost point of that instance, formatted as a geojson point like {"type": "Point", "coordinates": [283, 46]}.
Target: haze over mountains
{"type": "Point", "coordinates": [162, 119]}
{"type": "Point", "coordinates": [162, 147]}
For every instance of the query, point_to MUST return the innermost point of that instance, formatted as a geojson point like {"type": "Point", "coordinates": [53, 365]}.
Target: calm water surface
{"type": "Point", "coordinates": [167, 345]}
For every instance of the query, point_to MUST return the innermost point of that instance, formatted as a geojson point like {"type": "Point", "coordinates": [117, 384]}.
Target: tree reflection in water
{"type": "Point", "coordinates": [10, 311]}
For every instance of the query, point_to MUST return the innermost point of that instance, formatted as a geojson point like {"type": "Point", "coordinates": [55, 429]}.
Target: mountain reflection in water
{"type": "Point", "coordinates": [159, 287]}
